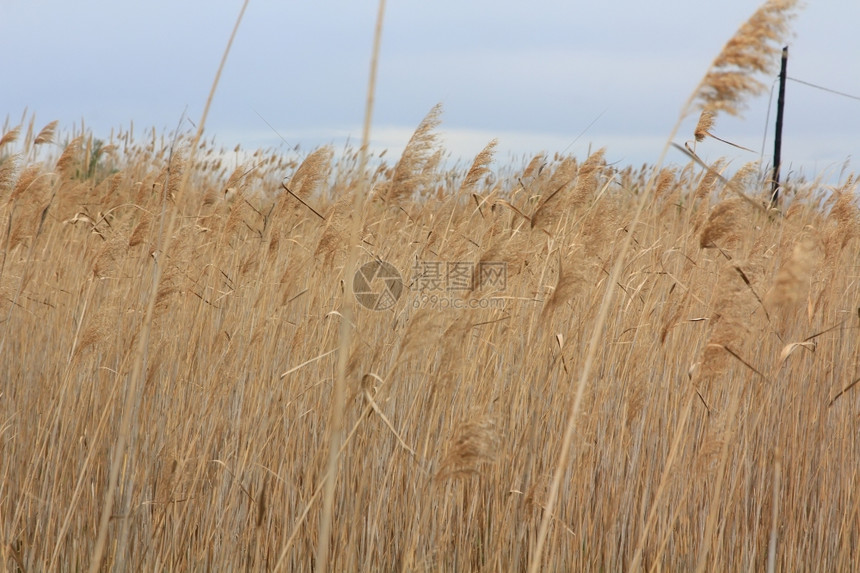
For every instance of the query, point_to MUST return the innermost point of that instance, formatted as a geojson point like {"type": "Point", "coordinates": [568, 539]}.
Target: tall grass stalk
{"type": "Point", "coordinates": [336, 415]}
{"type": "Point", "coordinates": [728, 82]}
{"type": "Point", "coordinates": [128, 424]}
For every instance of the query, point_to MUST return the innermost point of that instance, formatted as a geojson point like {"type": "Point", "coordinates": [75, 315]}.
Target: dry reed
{"type": "Point", "coordinates": [452, 418]}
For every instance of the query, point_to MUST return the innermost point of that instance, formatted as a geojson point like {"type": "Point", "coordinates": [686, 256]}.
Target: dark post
{"type": "Point", "coordinates": [777, 141]}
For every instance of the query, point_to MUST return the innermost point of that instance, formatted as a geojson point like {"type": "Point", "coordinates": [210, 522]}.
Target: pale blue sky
{"type": "Point", "coordinates": [534, 74]}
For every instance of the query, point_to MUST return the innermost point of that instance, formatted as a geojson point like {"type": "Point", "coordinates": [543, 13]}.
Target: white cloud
{"type": "Point", "coordinates": [809, 156]}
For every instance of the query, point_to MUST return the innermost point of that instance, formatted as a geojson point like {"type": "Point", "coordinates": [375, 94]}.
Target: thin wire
{"type": "Point", "coordinates": [816, 86]}
{"type": "Point", "coordinates": [770, 103]}
{"type": "Point", "coordinates": [766, 126]}
{"type": "Point", "coordinates": [587, 127]}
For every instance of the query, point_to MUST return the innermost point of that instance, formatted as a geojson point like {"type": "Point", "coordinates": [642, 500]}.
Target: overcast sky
{"type": "Point", "coordinates": [532, 74]}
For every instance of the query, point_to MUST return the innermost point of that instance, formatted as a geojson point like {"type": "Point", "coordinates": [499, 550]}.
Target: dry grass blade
{"type": "Point", "coordinates": [388, 423]}
{"type": "Point", "coordinates": [510, 206]}
{"type": "Point", "coordinates": [740, 359]}
{"type": "Point", "coordinates": [731, 184]}
{"type": "Point", "coordinates": [302, 201]}
{"type": "Point", "coordinates": [826, 330]}
{"type": "Point", "coordinates": [843, 391]}
{"type": "Point", "coordinates": [789, 348]}
{"type": "Point", "coordinates": [777, 481]}
{"type": "Point", "coordinates": [307, 362]}
{"type": "Point", "coordinates": [548, 209]}
{"type": "Point", "coordinates": [704, 126]}
{"type": "Point", "coordinates": [752, 290]}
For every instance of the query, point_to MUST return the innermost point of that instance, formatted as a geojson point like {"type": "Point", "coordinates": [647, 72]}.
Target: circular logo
{"type": "Point", "coordinates": [377, 285]}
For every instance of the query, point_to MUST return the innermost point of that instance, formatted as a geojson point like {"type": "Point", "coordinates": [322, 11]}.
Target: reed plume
{"type": "Point", "coordinates": [473, 445]}
{"type": "Point", "coordinates": [724, 225]}
{"type": "Point", "coordinates": [704, 125]}
{"type": "Point", "coordinates": [312, 171]}
{"type": "Point", "coordinates": [8, 169]}
{"type": "Point", "coordinates": [410, 173]}
{"type": "Point", "coordinates": [46, 135]}
{"type": "Point", "coordinates": [479, 167]}
{"type": "Point", "coordinates": [10, 136]}
{"type": "Point", "coordinates": [754, 49]}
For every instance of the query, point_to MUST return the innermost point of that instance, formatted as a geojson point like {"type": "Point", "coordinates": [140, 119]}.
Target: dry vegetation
{"type": "Point", "coordinates": [715, 393]}
{"type": "Point", "coordinates": [718, 421]}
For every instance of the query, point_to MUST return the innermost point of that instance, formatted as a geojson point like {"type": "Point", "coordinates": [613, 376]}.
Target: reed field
{"type": "Point", "coordinates": [562, 364]}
